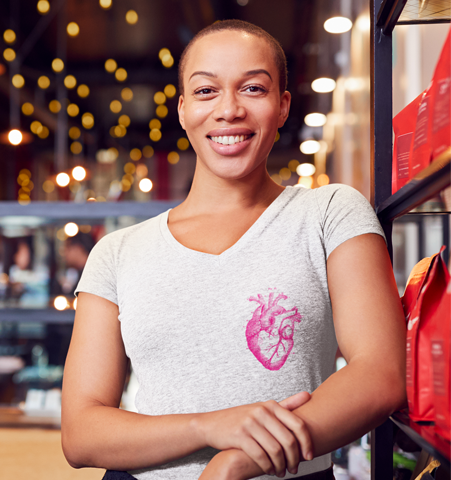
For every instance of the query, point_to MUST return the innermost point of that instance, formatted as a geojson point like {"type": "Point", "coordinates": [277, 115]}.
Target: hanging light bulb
{"type": "Point", "coordinates": [15, 137]}
{"type": "Point", "coordinates": [337, 25]}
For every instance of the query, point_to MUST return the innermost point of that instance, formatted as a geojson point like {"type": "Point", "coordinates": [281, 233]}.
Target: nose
{"type": "Point", "coordinates": [229, 108]}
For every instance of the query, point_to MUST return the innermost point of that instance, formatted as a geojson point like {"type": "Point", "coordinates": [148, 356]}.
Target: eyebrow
{"type": "Point", "coordinates": [250, 73]}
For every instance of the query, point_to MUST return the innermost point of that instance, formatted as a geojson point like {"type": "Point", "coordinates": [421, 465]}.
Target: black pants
{"type": "Point", "coordinates": [323, 475]}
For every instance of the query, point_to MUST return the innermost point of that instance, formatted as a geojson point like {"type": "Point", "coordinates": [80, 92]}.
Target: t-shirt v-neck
{"type": "Point", "coordinates": [262, 221]}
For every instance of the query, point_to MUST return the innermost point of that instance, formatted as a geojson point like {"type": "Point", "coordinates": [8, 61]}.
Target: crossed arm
{"type": "Point", "coordinates": [370, 330]}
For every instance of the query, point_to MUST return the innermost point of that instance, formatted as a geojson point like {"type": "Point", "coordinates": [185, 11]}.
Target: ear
{"type": "Point", "coordinates": [181, 111]}
{"type": "Point", "coordinates": [285, 102]}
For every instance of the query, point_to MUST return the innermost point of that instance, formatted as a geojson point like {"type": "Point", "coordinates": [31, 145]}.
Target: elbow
{"type": "Point", "coordinates": [396, 394]}
{"type": "Point", "coordinates": [73, 452]}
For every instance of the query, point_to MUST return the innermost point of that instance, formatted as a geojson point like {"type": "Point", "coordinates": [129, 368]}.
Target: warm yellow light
{"type": "Point", "coordinates": [73, 29]}
{"type": "Point", "coordinates": [87, 120]}
{"type": "Point", "coordinates": [183, 143]}
{"type": "Point", "coordinates": [124, 120]}
{"type": "Point", "coordinates": [315, 119]}
{"type": "Point", "coordinates": [323, 85]}
{"type": "Point", "coordinates": [61, 303]}
{"type": "Point", "coordinates": [148, 151]}
{"type": "Point", "coordinates": [71, 229]}
{"type": "Point", "coordinates": [115, 106]}
{"type": "Point", "coordinates": [135, 154]}
{"type": "Point", "coordinates": [170, 90]}
{"type": "Point", "coordinates": [277, 178]}
{"type": "Point", "coordinates": [121, 74]}
{"type": "Point", "coordinates": [161, 111]}
{"type": "Point", "coordinates": [15, 137]}
{"type": "Point", "coordinates": [78, 173]}
{"type": "Point", "coordinates": [48, 186]}
{"type": "Point", "coordinates": [145, 185]}
{"type": "Point", "coordinates": [113, 153]}
{"type": "Point", "coordinates": [155, 123]}
{"type": "Point", "coordinates": [43, 82]}
{"type": "Point", "coordinates": [27, 108]}
{"type": "Point", "coordinates": [76, 147]}
{"type": "Point", "coordinates": [70, 82]}
{"type": "Point", "coordinates": [83, 91]}
{"type": "Point", "coordinates": [309, 147]}
{"type": "Point", "coordinates": [57, 65]}
{"type": "Point", "coordinates": [62, 179]}
{"type": "Point", "coordinates": [120, 131]}
{"type": "Point", "coordinates": [54, 106]}
{"type": "Point", "coordinates": [127, 94]}
{"type": "Point", "coordinates": [110, 65]}
{"type": "Point", "coordinates": [74, 133]}
{"type": "Point", "coordinates": [9, 54]}
{"type": "Point", "coordinates": [167, 61]}
{"type": "Point", "coordinates": [73, 110]}
{"type": "Point", "coordinates": [105, 3]}
{"type": "Point", "coordinates": [18, 81]}
{"type": "Point", "coordinates": [129, 168]}
{"type": "Point", "coordinates": [125, 185]}
{"type": "Point", "coordinates": [25, 171]}
{"type": "Point", "coordinates": [322, 180]}
{"type": "Point", "coordinates": [155, 134]}
{"type": "Point", "coordinates": [141, 170]}
{"type": "Point", "coordinates": [131, 17]}
{"type": "Point", "coordinates": [43, 132]}
{"type": "Point", "coordinates": [35, 126]}
{"type": "Point", "coordinates": [43, 6]}
{"type": "Point", "coordinates": [337, 25]}
{"type": "Point", "coordinates": [163, 52]}
{"type": "Point", "coordinates": [306, 170]}
{"type": "Point", "coordinates": [285, 173]}
{"type": "Point", "coordinates": [9, 36]}
{"type": "Point", "coordinates": [277, 137]}
{"type": "Point", "coordinates": [159, 98]}
{"type": "Point", "coordinates": [363, 23]}
{"type": "Point", "coordinates": [74, 304]}
{"type": "Point", "coordinates": [292, 165]}
{"type": "Point", "coordinates": [173, 157]}
{"type": "Point", "coordinates": [306, 182]}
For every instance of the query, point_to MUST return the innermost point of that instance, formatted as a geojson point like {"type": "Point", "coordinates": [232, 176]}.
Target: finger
{"type": "Point", "coordinates": [258, 455]}
{"type": "Point", "coordinates": [299, 429]}
{"type": "Point", "coordinates": [270, 444]}
{"type": "Point", "coordinates": [295, 401]}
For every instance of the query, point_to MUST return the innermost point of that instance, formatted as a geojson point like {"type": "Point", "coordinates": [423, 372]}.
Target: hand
{"type": "Point", "coordinates": [268, 432]}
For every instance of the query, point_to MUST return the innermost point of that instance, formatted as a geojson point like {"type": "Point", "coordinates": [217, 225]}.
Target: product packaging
{"type": "Point", "coordinates": [403, 128]}
{"type": "Point", "coordinates": [426, 285]}
{"type": "Point", "coordinates": [441, 363]}
{"type": "Point", "coordinates": [441, 102]}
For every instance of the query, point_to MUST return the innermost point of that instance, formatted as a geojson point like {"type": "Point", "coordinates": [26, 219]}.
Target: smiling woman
{"type": "Point", "coordinates": [231, 305]}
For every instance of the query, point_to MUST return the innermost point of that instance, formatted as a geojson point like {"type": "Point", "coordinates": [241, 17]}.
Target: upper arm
{"type": "Point", "coordinates": [368, 316]}
{"type": "Point", "coordinates": [96, 364]}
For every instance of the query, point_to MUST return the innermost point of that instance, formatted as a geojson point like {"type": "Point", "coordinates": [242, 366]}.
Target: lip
{"type": "Point", "coordinates": [229, 132]}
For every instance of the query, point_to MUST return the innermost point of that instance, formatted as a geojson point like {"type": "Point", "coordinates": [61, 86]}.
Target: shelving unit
{"type": "Point", "coordinates": [385, 15]}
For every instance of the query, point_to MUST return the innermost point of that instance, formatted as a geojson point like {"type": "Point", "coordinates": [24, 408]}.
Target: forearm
{"type": "Point", "coordinates": [350, 403]}
{"type": "Point", "coordinates": [115, 439]}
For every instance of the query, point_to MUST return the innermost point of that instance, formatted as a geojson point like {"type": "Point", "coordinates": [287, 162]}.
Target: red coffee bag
{"type": "Point", "coordinates": [403, 128]}
{"type": "Point", "coordinates": [441, 365]}
{"type": "Point", "coordinates": [422, 320]}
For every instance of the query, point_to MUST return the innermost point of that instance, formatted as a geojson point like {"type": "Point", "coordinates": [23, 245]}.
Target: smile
{"type": "Point", "coordinates": [230, 140]}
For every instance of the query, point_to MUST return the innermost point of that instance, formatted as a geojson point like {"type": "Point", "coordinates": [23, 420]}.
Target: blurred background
{"type": "Point", "coordinates": [90, 142]}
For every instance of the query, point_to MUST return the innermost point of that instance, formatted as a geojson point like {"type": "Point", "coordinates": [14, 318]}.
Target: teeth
{"type": "Point", "coordinates": [230, 140]}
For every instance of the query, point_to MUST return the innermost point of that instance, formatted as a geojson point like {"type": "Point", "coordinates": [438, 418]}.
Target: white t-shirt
{"type": "Point", "coordinates": [207, 332]}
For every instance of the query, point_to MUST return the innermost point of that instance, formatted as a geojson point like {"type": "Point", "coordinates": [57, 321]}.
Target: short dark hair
{"type": "Point", "coordinates": [239, 26]}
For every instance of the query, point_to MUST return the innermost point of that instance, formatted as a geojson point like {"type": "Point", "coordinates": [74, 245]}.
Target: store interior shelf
{"type": "Point", "coordinates": [87, 210]}
{"type": "Point", "coordinates": [43, 315]}
{"type": "Point", "coordinates": [408, 12]}
{"type": "Point", "coordinates": [424, 436]}
{"type": "Point", "coordinates": [425, 185]}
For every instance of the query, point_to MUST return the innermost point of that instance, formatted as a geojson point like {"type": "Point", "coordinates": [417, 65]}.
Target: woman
{"type": "Point", "coordinates": [224, 303]}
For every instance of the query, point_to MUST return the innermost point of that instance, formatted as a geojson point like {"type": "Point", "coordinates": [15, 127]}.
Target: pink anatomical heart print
{"type": "Point", "coordinates": [270, 331]}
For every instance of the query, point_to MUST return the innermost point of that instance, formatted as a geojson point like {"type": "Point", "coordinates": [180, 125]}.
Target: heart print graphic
{"type": "Point", "coordinates": [269, 333]}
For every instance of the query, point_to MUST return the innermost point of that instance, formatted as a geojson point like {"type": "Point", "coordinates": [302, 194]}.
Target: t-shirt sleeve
{"type": "Point", "coordinates": [99, 273]}
{"type": "Point", "coordinates": [345, 213]}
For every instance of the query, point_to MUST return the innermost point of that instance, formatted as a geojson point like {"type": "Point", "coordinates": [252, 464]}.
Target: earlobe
{"type": "Point", "coordinates": [285, 102]}
{"type": "Point", "coordinates": [181, 111]}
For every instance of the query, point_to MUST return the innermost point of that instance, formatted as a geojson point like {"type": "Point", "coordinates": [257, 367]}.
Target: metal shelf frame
{"type": "Point", "coordinates": [385, 15]}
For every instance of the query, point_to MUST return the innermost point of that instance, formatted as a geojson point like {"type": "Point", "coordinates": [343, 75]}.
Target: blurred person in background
{"type": "Point", "coordinates": [224, 303]}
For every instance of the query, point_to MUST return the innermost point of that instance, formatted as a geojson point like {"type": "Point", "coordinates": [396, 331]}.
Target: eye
{"type": "Point", "coordinates": [203, 91]}
{"type": "Point", "coordinates": [254, 89]}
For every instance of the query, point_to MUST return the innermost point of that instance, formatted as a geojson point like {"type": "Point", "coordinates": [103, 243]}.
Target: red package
{"type": "Point", "coordinates": [421, 324]}
{"type": "Point", "coordinates": [441, 101]}
{"type": "Point", "coordinates": [420, 149]}
{"type": "Point", "coordinates": [403, 127]}
{"type": "Point", "coordinates": [441, 365]}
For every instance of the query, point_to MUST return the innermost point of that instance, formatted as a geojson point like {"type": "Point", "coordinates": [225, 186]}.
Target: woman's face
{"type": "Point", "coordinates": [231, 107]}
